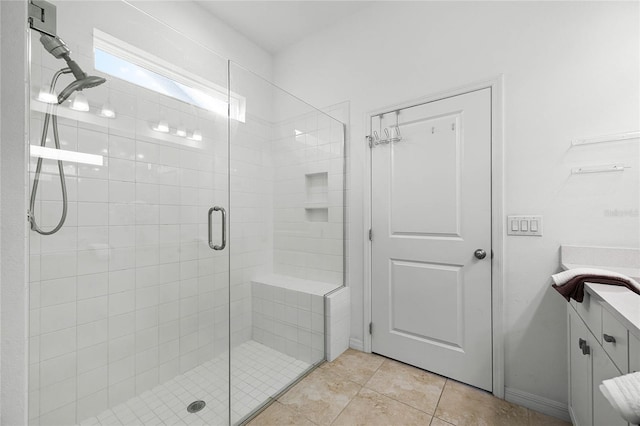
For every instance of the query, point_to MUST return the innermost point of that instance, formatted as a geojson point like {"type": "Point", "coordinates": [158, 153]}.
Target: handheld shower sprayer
{"type": "Point", "coordinates": [58, 48]}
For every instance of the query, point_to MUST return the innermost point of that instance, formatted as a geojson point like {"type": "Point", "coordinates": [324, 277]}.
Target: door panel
{"type": "Point", "coordinates": [415, 163]}
{"type": "Point", "coordinates": [431, 209]}
{"type": "Point", "coordinates": [415, 312]}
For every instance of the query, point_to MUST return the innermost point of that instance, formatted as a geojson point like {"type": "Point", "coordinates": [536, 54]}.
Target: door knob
{"type": "Point", "coordinates": [480, 254]}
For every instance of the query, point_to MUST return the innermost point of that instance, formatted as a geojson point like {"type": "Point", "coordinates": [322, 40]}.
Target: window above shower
{"type": "Point", "coordinates": [129, 63]}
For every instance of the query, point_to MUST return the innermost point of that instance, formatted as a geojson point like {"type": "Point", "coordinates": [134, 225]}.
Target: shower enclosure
{"type": "Point", "coordinates": [203, 227]}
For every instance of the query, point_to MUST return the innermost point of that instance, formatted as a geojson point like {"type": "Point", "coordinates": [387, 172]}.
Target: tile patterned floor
{"type": "Point", "coordinates": [366, 389]}
{"type": "Point", "coordinates": [259, 372]}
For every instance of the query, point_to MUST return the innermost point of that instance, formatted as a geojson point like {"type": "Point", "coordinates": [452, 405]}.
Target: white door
{"type": "Point", "coordinates": [431, 210]}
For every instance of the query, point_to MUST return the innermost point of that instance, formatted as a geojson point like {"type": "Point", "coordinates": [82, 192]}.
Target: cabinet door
{"type": "Point", "coordinates": [603, 369]}
{"type": "Point", "coordinates": [590, 311]}
{"type": "Point", "coordinates": [634, 353]}
{"type": "Point", "coordinates": [615, 341]}
{"type": "Point", "coordinates": [580, 389]}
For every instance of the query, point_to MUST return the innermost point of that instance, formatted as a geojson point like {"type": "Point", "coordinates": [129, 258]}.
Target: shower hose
{"type": "Point", "coordinates": [54, 118]}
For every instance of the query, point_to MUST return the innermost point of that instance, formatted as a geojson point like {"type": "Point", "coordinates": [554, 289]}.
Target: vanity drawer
{"type": "Point", "coordinates": [634, 353]}
{"type": "Point", "coordinates": [591, 313]}
{"type": "Point", "coordinates": [615, 341]}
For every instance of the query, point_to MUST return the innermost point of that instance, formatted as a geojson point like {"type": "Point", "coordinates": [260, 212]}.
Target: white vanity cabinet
{"type": "Point", "coordinates": [634, 353]}
{"type": "Point", "coordinates": [603, 344]}
{"type": "Point", "coordinates": [580, 371]}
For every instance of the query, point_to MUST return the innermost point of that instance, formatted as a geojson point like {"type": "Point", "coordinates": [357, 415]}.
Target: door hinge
{"type": "Point", "coordinates": [42, 17]}
{"type": "Point", "coordinates": [370, 234]}
{"type": "Point", "coordinates": [370, 328]}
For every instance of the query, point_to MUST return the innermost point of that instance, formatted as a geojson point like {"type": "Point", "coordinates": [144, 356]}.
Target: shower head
{"type": "Point", "coordinates": [81, 84]}
{"type": "Point", "coordinates": [57, 47]}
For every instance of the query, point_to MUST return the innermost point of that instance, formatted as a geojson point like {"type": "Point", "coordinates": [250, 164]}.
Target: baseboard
{"type": "Point", "coordinates": [356, 344]}
{"type": "Point", "coordinates": [538, 403]}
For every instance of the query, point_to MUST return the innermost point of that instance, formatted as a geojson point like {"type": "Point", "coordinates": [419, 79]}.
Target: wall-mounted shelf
{"type": "Point", "coordinates": [322, 205]}
{"type": "Point", "coordinates": [607, 138]}
{"type": "Point", "coordinates": [316, 208]}
{"type": "Point", "coordinates": [604, 168]}
{"type": "Point", "coordinates": [319, 214]}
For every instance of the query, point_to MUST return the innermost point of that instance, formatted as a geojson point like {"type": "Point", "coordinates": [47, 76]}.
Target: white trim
{"type": "Point", "coordinates": [538, 403]}
{"type": "Point", "coordinates": [14, 242]}
{"type": "Point", "coordinates": [356, 344]}
{"type": "Point", "coordinates": [497, 232]}
{"type": "Point", "coordinates": [497, 206]}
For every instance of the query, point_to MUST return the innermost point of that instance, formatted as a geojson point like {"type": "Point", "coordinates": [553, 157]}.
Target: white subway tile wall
{"type": "Point", "coordinates": [128, 295]}
{"type": "Point", "coordinates": [289, 321]}
{"type": "Point", "coordinates": [308, 159]}
{"type": "Point", "coordinates": [338, 320]}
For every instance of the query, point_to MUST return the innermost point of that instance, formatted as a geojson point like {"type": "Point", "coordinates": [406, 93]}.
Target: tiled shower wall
{"type": "Point", "coordinates": [308, 198]}
{"type": "Point", "coordinates": [290, 321]}
{"type": "Point", "coordinates": [128, 294]}
{"type": "Point", "coordinates": [251, 221]}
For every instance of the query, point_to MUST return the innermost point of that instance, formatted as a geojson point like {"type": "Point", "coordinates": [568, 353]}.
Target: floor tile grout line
{"type": "Point", "coordinates": [337, 375]}
{"type": "Point", "coordinates": [343, 378]}
{"type": "Point", "coordinates": [345, 407]}
{"type": "Point", "coordinates": [435, 410]}
{"type": "Point", "coordinates": [363, 386]}
{"type": "Point", "coordinates": [398, 400]}
{"type": "Point", "coordinates": [401, 402]}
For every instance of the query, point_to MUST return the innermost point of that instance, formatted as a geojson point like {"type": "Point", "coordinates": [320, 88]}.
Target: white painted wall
{"type": "Point", "coordinates": [197, 23]}
{"type": "Point", "coordinates": [13, 242]}
{"type": "Point", "coordinates": [570, 70]}
{"type": "Point", "coordinates": [0, 201]}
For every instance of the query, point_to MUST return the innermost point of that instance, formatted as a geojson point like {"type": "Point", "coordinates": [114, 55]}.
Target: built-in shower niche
{"type": "Point", "coordinates": [317, 197]}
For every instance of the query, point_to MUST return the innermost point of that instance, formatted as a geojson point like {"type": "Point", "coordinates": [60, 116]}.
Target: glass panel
{"type": "Point", "coordinates": [129, 304]}
{"type": "Point", "coordinates": [286, 199]}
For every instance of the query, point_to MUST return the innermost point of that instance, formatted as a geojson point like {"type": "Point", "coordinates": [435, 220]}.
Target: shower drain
{"type": "Point", "coordinates": [196, 406]}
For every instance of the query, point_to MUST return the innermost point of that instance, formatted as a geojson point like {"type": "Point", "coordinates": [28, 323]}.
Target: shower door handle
{"type": "Point", "coordinates": [224, 227]}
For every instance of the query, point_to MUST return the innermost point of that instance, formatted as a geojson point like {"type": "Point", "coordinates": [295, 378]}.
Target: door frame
{"type": "Point", "coordinates": [496, 84]}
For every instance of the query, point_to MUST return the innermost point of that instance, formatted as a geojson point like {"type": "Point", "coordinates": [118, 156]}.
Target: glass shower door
{"type": "Point", "coordinates": [286, 237]}
{"type": "Point", "coordinates": [129, 296]}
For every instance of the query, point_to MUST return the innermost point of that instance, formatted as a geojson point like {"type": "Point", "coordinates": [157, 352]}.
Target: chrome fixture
{"type": "Point", "coordinates": [58, 48]}
{"type": "Point", "coordinates": [224, 227]}
{"type": "Point", "coordinates": [42, 17]}
{"type": "Point", "coordinates": [390, 136]}
{"type": "Point", "coordinates": [196, 406]}
{"type": "Point", "coordinates": [480, 254]}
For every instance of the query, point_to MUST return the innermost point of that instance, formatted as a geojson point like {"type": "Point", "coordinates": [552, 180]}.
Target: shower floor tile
{"type": "Point", "coordinates": [258, 373]}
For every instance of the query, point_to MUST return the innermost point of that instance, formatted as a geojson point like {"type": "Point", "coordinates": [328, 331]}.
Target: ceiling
{"type": "Point", "coordinates": [275, 25]}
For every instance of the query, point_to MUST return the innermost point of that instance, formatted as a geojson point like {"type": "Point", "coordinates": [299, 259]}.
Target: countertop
{"type": "Point", "coordinates": [630, 272]}
{"type": "Point", "coordinates": [621, 302]}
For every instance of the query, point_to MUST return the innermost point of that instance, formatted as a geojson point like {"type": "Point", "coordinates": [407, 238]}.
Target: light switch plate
{"type": "Point", "coordinates": [524, 225]}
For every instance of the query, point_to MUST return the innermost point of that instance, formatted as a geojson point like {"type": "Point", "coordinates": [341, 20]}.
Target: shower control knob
{"type": "Point", "coordinates": [480, 254]}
